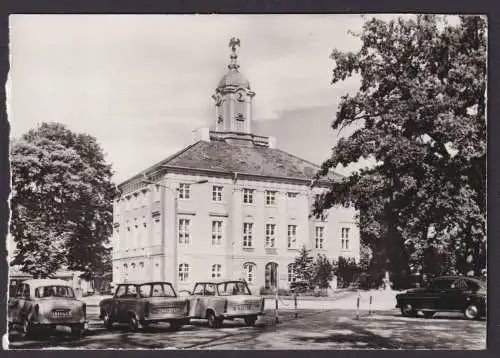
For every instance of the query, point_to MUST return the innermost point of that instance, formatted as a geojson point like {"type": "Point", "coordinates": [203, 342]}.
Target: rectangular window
{"type": "Point", "coordinates": [216, 233]}
{"type": "Point", "coordinates": [292, 236]}
{"type": "Point", "coordinates": [319, 231]}
{"type": "Point", "coordinates": [291, 195]}
{"type": "Point", "coordinates": [184, 231]}
{"type": "Point", "coordinates": [248, 196]}
{"type": "Point", "coordinates": [157, 231]}
{"type": "Point", "coordinates": [270, 197]}
{"type": "Point", "coordinates": [270, 235]}
{"type": "Point", "coordinates": [216, 193]}
{"type": "Point", "coordinates": [345, 238]}
{"type": "Point", "coordinates": [184, 191]}
{"type": "Point", "coordinates": [247, 234]}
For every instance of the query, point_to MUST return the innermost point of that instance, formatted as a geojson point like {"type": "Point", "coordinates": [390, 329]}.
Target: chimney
{"type": "Point", "coordinates": [201, 134]}
{"type": "Point", "coordinates": [272, 142]}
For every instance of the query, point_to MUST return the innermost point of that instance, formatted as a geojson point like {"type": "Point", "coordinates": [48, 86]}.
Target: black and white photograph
{"type": "Point", "coordinates": [247, 182]}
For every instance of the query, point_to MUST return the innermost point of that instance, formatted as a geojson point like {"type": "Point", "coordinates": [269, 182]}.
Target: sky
{"type": "Point", "coordinates": [141, 84]}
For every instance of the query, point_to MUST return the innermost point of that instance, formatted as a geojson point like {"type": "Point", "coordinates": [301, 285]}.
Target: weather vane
{"type": "Point", "coordinates": [233, 43]}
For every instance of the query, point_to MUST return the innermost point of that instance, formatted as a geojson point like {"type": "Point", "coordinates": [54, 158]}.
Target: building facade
{"type": "Point", "coordinates": [231, 205]}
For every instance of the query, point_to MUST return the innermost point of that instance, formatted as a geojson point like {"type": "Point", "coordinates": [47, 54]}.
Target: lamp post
{"type": "Point", "coordinates": [146, 180]}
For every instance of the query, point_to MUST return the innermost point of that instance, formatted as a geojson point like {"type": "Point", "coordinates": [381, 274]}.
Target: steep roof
{"type": "Point", "coordinates": [224, 157]}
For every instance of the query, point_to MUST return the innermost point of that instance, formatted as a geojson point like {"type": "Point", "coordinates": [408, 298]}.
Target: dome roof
{"type": "Point", "coordinates": [234, 78]}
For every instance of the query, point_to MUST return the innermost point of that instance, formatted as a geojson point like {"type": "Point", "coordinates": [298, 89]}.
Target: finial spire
{"type": "Point", "coordinates": [233, 43]}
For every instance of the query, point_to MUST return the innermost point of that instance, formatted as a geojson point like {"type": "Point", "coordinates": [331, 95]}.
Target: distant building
{"type": "Point", "coordinates": [231, 205]}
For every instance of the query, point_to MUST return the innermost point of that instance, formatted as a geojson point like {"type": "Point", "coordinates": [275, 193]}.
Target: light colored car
{"type": "Point", "coordinates": [46, 304]}
{"type": "Point", "coordinates": [217, 301]}
{"type": "Point", "coordinates": [140, 304]}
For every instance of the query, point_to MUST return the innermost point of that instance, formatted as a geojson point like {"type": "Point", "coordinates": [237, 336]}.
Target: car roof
{"type": "Point", "coordinates": [142, 283]}
{"type": "Point", "coordinates": [456, 277]}
{"type": "Point", "coordinates": [218, 281]}
{"type": "Point", "coordinates": [46, 282]}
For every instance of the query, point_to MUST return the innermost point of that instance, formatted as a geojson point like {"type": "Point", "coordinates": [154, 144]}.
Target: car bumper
{"type": "Point", "coordinates": [244, 314]}
{"type": "Point", "coordinates": [61, 325]}
{"type": "Point", "coordinates": [181, 320]}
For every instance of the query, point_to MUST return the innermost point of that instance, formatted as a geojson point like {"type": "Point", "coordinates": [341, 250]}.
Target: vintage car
{"type": "Point", "coordinates": [140, 304]}
{"type": "Point", "coordinates": [46, 304]}
{"type": "Point", "coordinates": [446, 294]}
{"type": "Point", "coordinates": [217, 301]}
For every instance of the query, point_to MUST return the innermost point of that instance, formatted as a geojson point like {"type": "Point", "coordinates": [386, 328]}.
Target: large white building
{"type": "Point", "coordinates": [231, 205]}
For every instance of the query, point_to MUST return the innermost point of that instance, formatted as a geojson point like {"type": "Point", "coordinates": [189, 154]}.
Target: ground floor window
{"type": "Point", "coordinates": [292, 274]}
{"type": "Point", "coordinates": [183, 272]}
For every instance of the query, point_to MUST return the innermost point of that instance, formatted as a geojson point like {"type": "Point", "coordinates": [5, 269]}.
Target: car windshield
{"type": "Point", "coordinates": [157, 290]}
{"type": "Point", "coordinates": [233, 288]}
{"type": "Point", "coordinates": [54, 291]}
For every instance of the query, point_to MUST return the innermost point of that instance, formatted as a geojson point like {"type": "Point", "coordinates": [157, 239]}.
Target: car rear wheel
{"type": "Point", "coordinates": [407, 310]}
{"type": "Point", "coordinates": [250, 321]}
{"type": "Point", "coordinates": [77, 331]}
{"type": "Point", "coordinates": [107, 320]}
{"type": "Point", "coordinates": [27, 328]}
{"type": "Point", "coordinates": [213, 321]}
{"type": "Point", "coordinates": [471, 312]}
{"type": "Point", "coordinates": [175, 325]}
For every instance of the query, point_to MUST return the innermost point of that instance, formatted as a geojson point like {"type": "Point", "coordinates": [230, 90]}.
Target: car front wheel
{"type": "Point", "coordinates": [471, 312]}
{"type": "Point", "coordinates": [213, 321]}
{"type": "Point", "coordinates": [407, 310]}
{"type": "Point", "coordinates": [250, 321]}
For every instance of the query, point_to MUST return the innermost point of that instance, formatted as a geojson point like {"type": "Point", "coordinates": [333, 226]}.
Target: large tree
{"type": "Point", "coordinates": [61, 202]}
{"type": "Point", "coordinates": [419, 116]}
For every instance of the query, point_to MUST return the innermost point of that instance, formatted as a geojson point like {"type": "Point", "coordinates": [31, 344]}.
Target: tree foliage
{"type": "Point", "coordinates": [303, 265]}
{"type": "Point", "coordinates": [61, 202]}
{"type": "Point", "coordinates": [323, 272]}
{"type": "Point", "coordinates": [420, 117]}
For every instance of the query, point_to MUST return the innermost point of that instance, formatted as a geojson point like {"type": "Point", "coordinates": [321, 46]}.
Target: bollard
{"type": "Point", "coordinates": [357, 306]}
{"type": "Point", "coordinates": [370, 307]}
{"type": "Point", "coordinates": [295, 304]}
{"type": "Point", "coordinates": [276, 316]}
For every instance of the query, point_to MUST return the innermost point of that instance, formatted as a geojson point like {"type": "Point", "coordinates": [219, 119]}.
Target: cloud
{"type": "Point", "coordinates": [142, 83]}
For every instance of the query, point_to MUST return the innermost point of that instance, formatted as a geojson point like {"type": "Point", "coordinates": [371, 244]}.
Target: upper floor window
{"type": "Point", "coordinates": [319, 233]}
{"type": "Point", "coordinates": [292, 236]}
{"type": "Point", "coordinates": [217, 193]}
{"type": "Point", "coordinates": [270, 235]}
{"type": "Point", "coordinates": [345, 238]}
{"type": "Point", "coordinates": [183, 272]}
{"type": "Point", "coordinates": [270, 197]}
{"type": "Point", "coordinates": [247, 234]}
{"type": "Point", "coordinates": [249, 269]}
{"type": "Point", "coordinates": [216, 233]}
{"type": "Point", "coordinates": [291, 195]}
{"type": "Point", "coordinates": [216, 271]}
{"type": "Point", "coordinates": [184, 231]}
{"type": "Point", "coordinates": [248, 196]}
{"type": "Point", "coordinates": [184, 191]}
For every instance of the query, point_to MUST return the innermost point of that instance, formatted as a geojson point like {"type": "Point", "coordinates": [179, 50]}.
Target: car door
{"type": "Point", "coordinates": [454, 299]}
{"type": "Point", "coordinates": [127, 303]}
{"type": "Point", "coordinates": [16, 304]}
{"type": "Point", "coordinates": [445, 293]}
{"type": "Point", "coordinates": [117, 308]}
{"type": "Point", "coordinates": [197, 300]}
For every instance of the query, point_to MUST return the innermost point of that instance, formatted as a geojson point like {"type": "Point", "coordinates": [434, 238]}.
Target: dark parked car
{"type": "Point", "coordinates": [446, 294]}
{"type": "Point", "coordinates": [145, 303]}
